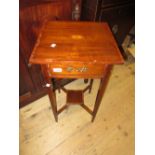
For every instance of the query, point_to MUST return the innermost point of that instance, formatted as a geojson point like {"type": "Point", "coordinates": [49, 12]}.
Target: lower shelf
{"type": "Point", "coordinates": [75, 97]}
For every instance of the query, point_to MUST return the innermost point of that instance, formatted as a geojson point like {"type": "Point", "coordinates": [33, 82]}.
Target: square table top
{"type": "Point", "coordinates": [67, 41]}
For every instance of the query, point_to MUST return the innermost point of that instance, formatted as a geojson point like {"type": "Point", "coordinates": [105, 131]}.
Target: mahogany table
{"type": "Point", "coordinates": [76, 50]}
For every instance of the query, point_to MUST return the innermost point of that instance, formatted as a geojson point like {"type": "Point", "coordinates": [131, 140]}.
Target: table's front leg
{"type": "Point", "coordinates": [51, 92]}
{"type": "Point", "coordinates": [101, 91]}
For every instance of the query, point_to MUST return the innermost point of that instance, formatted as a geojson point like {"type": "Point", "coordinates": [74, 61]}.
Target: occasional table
{"type": "Point", "coordinates": [76, 50]}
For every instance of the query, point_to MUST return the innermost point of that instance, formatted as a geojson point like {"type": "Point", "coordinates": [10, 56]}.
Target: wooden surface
{"type": "Point", "coordinates": [112, 133]}
{"type": "Point", "coordinates": [71, 50]}
{"type": "Point", "coordinates": [89, 42]}
{"type": "Point", "coordinates": [74, 97]}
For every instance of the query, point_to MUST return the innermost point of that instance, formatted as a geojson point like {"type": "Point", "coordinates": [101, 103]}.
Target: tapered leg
{"type": "Point", "coordinates": [101, 91]}
{"type": "Point", "coordinates": [52, 98]}
{"type": "Point", "coordinates": [50, 91]}
{"type": "Point", "coordinates": [91, 83]}
{"type": "Point", "coordinates": [59, 86]}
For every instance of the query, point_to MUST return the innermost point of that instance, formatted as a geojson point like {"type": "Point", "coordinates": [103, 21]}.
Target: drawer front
{"type": "Point", "coordinates": [69, 70]}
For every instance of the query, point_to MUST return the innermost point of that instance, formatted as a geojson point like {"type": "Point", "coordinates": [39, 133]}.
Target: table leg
{"type": "Point", "coordinates": [52, 98]}
{"type": "Point", "coordinates": [101, 91]}
{"type": "Point", "coordinates": [51, 93]}
{"type": "Point", "coordinates": [91, 83]}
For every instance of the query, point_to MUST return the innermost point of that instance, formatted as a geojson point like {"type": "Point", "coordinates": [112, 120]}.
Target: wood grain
{"type": "Point", "coordinates": [112, 132]}
{"type": "Point", "coordinates": [92, 70]}
{"type": "Point", "coordinates": [76, 42]}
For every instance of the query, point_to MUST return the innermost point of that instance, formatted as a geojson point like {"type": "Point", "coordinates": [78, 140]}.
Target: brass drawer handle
{"type": "Point", "coordinates": [70, 69]}
{"type": "Point", "coordinates": [83, 69]}
{"type": "Point", "coordinates": [80, 69]}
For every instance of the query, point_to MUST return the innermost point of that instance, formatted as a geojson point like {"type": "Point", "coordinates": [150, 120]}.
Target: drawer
{"type": "Point", "coordinates": [76, 70]}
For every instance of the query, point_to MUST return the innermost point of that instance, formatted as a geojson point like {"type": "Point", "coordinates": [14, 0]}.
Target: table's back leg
{"type": "Point", "coordinates": [101, 91]}
{"type": "Point", "coordinates": [91, 83]}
